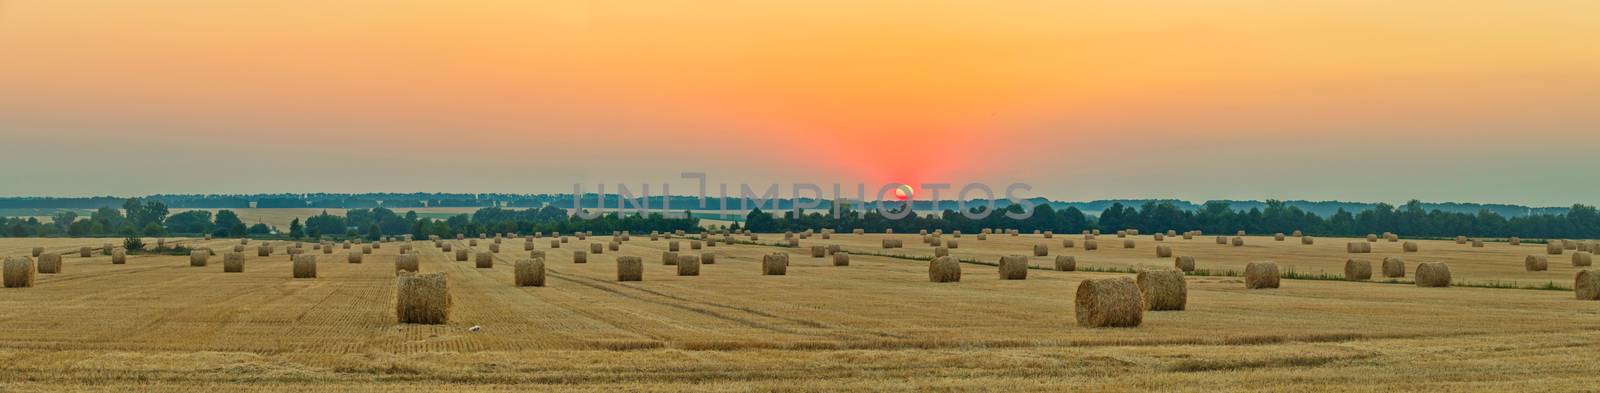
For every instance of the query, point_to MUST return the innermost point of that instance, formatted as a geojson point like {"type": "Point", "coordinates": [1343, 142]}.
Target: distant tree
{"type": "Point", "coordinates": [229, 224]}
{"type": "Point", "coordinates": [296, 231]}
{"type": "Point", "coordinates": [374, 232]}
{"type": "Point", "coordinates": [133, 243]}
{"type": "Point", "coordinates": [259, 229]}
{"type": "Point", "coordinates": [154, 229]}
{"type": "Point", "coordinates": [193, 221]}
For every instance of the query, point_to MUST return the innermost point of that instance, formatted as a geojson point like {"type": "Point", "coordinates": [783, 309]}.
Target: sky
{"type": "Point", "coordinates": [1378, 101]}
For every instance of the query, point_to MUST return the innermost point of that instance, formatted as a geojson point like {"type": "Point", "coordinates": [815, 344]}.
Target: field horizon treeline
{"type": "Point", "coordinates": [140, 217]}
{"type": "Point", "coordinates": [1325, 208]}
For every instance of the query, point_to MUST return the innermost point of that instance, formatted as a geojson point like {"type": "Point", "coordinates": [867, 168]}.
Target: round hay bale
{"type": "Point", "coordinates": [580, 257]}
{"type": "Point", "coordinates": [818, 251]}
{"type": "Point", "coordinates": [669, 258]}
{"type": "Point", "coordinates": [1040, 250]}
{"type": "Point", "coordinates": [105, 249]}
{"type": "Point", "coordinates": [1184, 263]}
{"type": "Point", "coordinates": [264, 251]}
{"type": "Point", "coordinates": [494, 248]}
{"type": "Point", "coordinates": [1569, 245]}
{"type": "Point", "coordinates": [630, 268]}
{"type": "Point", "coordinates": [527, 246]}
{"type": "Point", "coordinates": [1066, 263]}
{"type": "Point", "coordinates": [1553, 248]}
{"type": "Point", "coordinates": [407, 263]}
{"type": "Point", "coordinates": [1307, 240]}
{"type": "Point", "coordinates": [672, 245]}
{"type": "Point", "coordinates": [1278, 236]}
{"type": "Point", "coordinates": [1515, 241]}
{"type": "Point", "coordinates": [1240, 233]}
{"type": "Point", "coordinates": [796, 242]}
{"type": "Point", "coordinates": [233, 262]}
{"type": "Point", "coordinates": [1298, 233]}
{"type": "Point", "coordinates": [1090, 245]}
{"type": "Point", "coordinates": [1122, 233]}
{"type": "Point", "coordinates": [708, 258]}
{"type": "Point", "coordinates": [597, 248]}
{"type": "Point", "coordinates": [1586, 285]}
{"type": "Point", "coordinates": [1477, 243]}
{"type": "Point", "coordinates": [1357, 269]}
{"type": "Point", "coordinates": [536, 254]}
{"type": "Point", "coordinates": [944, 269]}
{"type": "Point", "coordinates": [85, 251]}
{"type": "Point", "coordinates": [119, 257]}
{"type": "Point", "coordinates": [983, 236]}
{"type": "Point", "coordinates": [1582, 259]}
{"type": "Point", "coordinates": [1394, 267]}
{"type": "Point", "coordinates": [1238, 241]}
{"type": "Point", "coordinates": [238, 248]}
{"type": "Point", "coordinates": [37, 251]}
{"type": "Point", "coordinates": [529, 273]}
{"type": "Point", "coordinates": [1358, 248]}
{"type": "Point", "coordinates": [555, 243]}
{"type": "Point", "coordinates": [1163, 290]}
{"type": "Point", "coordinates": [1461, 240]}
{"type": "Point", "coordinates": [1068, 243]}
{"type": "Point", "coordinates": [1159, 237]}
{"type": "Point", "coordinates": [422, 298]}
{"type": "Point", "coordinates": [1391, 237]}
{"type": "Point", "coordinates": [1188, 236]}
{"type": "Point", "coordinates": [328, 249]}
{"type": "Point", "coordinates": [1127, 243]}
{"type": "Point", "coordinates": [1372, 237]}
{"type": "Point", "coordinates": [688, 265]}
{"type": "Point", "coordinates": [1433, 274]}
{"type": "Point", "coordinates": [346, 244]}
{"type": "Point", "coordinates": [461, 255]}
{"type": "Point", "coordinates": [305, 266]}
{"type": "Point", "coordinates": [484, 260]}
{"type": "Point", "coordinates": [1409, 246]}
{"type": "Point", "coordinates": [1163, 251]}
{"type": "Point", "coordinates": [564, 240]}
{"type": "Point", "coordinates": [1109, 302]}
{"type": "Point", "coordinates": [1259, 275]}
{"type": "Point", "coordinates": [197, 258]}
{"type": "Point", "coordinates": [694, 244]}
{"type": "Point", "coordinates": [19, 272]}
{"type": "Point", "coordinates": [841, 258]}
{"type": "Point", "coordinates": [775, 264]}
{"type": "Point", "coordinates": [614, 246]}
{"type": "Point", "coordinates": [1223, 240]}
{"type": "Point", "coordinates": [940, 251]}
{"type": "Point", "coordinates": [355, 256]}
{"type": "Point", "coordinates": [1013, 267]}
{"type": "Point", "coordinates": [445, 247]}
{"type": "Point", "coordinates": [1536, 263]}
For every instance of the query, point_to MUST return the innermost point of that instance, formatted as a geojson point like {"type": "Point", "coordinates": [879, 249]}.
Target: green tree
{"type": "Point", "coordinates": [229, 222]}
{"type": "Point", "coordinates": [374, 232]}
{"type": "Point", "coordinates": [296, 231]}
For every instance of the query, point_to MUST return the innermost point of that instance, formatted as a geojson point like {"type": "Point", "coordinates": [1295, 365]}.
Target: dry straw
{"type": "Point", "coordinates": [1477, 243]}
{"type": "Point", "coordinates": [1357, 269]}
{"type": "Point", "coordinates": [1409, 246]}
{"type": "Point", "coordinates": [422, 298]}
{"type": "Point", "coordinates": [1433, 274]}
{"type": "Point", "coordinates": [1394, 267]}
{"type": "Point", "coordinates": [355, 256]}
{"type": "Point", "coordinates": [1586, 284]}
{"type": "Point", "coordinates": [1040, 250]}
{"type": "Point", "coordinates": [1066, 263]}
{"type": "Point", "coordinates": [1238, 241]}
{"type": "Point", "coordinates": [407, 263]}
{"type": "Point", "coordinates": [1358, 247]}
{"type": "Point", "coordinates": [198, 258]}
{"type": "Point", "coordinates": [529, 273]}
{"type": "Point", "coordinates": [484, 260]}
{"type": "Point", "coordinates": [630, 268]}
{"type": "Point", "coordinates": [694, 244]}
{"type": "Point", "coordinates": [841, 259]}
{"type": "Point", "coordinates": [1372, 238]}
{"type": "Point", "coordinates": [1307, 240]}
{"type": "Point", "coordinates": [1278, 236]}
{"type": "Point", "coordinates": [1184, 263]}
{"type": "Point", "coordinates": [85, 252]}
{"type": "Point", "coordinates": [19, 272]}
{"type": "Point", "coordinates": [1582, 259]}
{"type": "Point", "coordinates": [580, 257]}
{"type": "Point", "coordinates": [1259, 275]}
{"type": "Point", "coordinates": [669, 258]}
{"type": "Point", "coordinates": [37, 251]}
{"type": "Point", "coordinates": [940, 251]}
{"type": "Point", "coordinates": [1013, 267]}
{"type": "Point", "coordinates": [1163, 290]}
{"type": "Point", "coordinates": [818, 251]}
{"type": "Point", "coordinates": [305, 266]}
{"type": "Point", "coordinates": [233, 262]}
{"type": "Point", "coordinates": [775, 264]}
{"type": "Point", "coordinates": [944, 269]}
{"type": "Point", "coordinates": [597, 248]}
{"type": "Point", "coordinates": [672, 245]}
{"type": "Point", "coordinates": [1515, 241]}
{"type": "Point", "coordinates": [708, 259]}
{"type": "Point", "coordinates": [1536, 263]}
{"type": "Point", "coordinates": [1090, 245]}
{"type": "Point", "coordinates": [1068, 243]}
{"type": "Point", "coordinates": [1127, 243]}
{"type": "Point", "coordinates": [461, 255]}
{"type": "Point", "coordinates": [1223, 240]}
{"type": "Point", "coordinates": [1553, 248]}
{"type": "Point", "coordinates": [119, 257]}
{"type": "Point", "coordinates": [1163, 251]}
{"type": "Point", "coordinates": [1109, 302]}
{"type": "Point", "coordinates": [688, 265]}
{"type": "Point", "coordinates": [264, 251]}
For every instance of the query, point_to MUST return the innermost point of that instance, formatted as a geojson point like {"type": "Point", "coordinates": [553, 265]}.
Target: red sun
{"type": "Point", "coordinates": [904, 192]}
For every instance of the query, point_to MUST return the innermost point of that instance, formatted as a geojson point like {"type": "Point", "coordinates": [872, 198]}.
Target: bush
{"type": "Point", "coordinates": [133, 243]}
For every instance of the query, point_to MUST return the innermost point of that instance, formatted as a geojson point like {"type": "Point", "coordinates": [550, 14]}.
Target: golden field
{"type": "Point", "coordinates": [160, 325]}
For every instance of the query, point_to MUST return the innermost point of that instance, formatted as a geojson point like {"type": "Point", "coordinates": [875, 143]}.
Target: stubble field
{"type": "Point", "coordinates": [878, 324]}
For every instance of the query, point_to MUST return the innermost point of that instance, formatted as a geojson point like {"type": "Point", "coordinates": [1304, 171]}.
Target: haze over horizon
{"type": "Point", "coordinates": [1462, 101]}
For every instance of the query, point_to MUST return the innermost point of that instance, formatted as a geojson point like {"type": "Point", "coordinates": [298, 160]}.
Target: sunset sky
{"type": "Point", "coordinates": [1474, 101]}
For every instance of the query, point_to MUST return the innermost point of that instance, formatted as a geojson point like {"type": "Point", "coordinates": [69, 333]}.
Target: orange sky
{"type": "Point", "coordinates": [1083, 99]}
